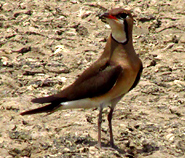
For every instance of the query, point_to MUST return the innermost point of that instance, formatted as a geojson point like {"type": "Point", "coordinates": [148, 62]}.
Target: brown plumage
{"type": "Point", "coordinates": [105, 82]}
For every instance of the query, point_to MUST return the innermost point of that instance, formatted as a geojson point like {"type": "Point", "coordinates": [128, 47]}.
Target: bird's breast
{"type": "Point", "coordinates": [130, 69]}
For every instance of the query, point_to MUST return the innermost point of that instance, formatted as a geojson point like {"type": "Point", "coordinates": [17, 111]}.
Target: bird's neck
{"type": "Point", "coordinates": [112, 44]}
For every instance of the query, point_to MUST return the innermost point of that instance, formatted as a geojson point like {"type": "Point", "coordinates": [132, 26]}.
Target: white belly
{"type": "Point", "coordinates": [82, 103]}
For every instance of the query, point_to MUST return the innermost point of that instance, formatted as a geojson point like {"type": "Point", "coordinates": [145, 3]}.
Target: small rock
{"type": "Point", "coordinates": [144, 18]}
{"type": "Point", "coordinates": [170, 137]}
{"type": "Point", "coordinates": [162, 68]}
{"type": "Point", "coordinates": [28, 12]}
{"type": "Point", "coordinates": [4, 60]}
{"type": "Point", "coordinates": [71, 32]}
{"type": "Point", "coordinates": [93, 149]}
{"type": "Point", "coordinates": [19, 135]}
{"type": "Point", "coordinates": [149, 146]}
{"type": "Point", "coordinates": [45, 146]}
{"type": "Point", "coordinates": [85, 15]}
{"type": "Point", "coordinates": [73, 1]}
{"type": "Point", "coordinates": [175, 39]}
{"type": "Point", "coordinates": [152, 63]}
{"type": "Point", "coordinates": [182, 38]}
{"type": "Point", "coordinates": [56, 68]}
{"type": "Point", "coordinates": [14, 152]}
{"type": "Point", "coordinates": [26, 152]}
{"type": "Point", "coordinates": [181, 145]}
{"type": "Point", "coordinates": [137, 10]}
{"type": "Point", "coordinates": [66, 150]}
{"type": "Point", "coordinates": [8, 7]}
{"type": "Point", "coordinates": [23, 50]}
{"type": "Point", "coordinates": [82, 31]}
{"type": "Point", "coordinates": [19, 153]}
{"type": "Point", "coordinates": [84, 150]}
{"type": "Point", "coordinates": [179, 83]}
{"type": "Point", "coordinates": [169, 46]}
{"type": "Point", "coordinates": [175, 111]}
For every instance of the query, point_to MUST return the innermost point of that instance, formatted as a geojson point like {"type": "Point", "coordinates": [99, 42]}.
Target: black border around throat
{"type": "Point", "coordinates": [126, 31]}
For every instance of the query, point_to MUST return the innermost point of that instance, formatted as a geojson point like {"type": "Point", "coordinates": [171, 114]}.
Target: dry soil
{"type": "Point", "coordinates": [44, 45]}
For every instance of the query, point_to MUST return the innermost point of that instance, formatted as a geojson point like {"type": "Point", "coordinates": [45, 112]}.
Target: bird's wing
{"type": "Point", "coordinates": [93, 86]}
{"type": "Point", "coordinates": [96, 85]}
{"type": "Point", "coordinates": [100, 81]}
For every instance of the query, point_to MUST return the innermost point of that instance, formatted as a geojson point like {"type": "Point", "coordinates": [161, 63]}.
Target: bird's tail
{"type": "Point", "coordinates": [54, 104]}
{"type": "Point", "coordinates": [50, 108]}
{"type": "Point", "coordinates": [85, 103]}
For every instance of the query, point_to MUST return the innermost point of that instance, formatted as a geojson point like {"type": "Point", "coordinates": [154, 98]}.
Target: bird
{"type": "Point", "coordinates": [107, 80]}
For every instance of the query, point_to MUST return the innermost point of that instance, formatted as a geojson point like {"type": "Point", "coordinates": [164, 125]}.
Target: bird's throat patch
{"type": "Point", "coordinates": [119, 31]}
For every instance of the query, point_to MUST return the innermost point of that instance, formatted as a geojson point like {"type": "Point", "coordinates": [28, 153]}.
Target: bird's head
{"type": "Point", "coordinates": [121, 23]}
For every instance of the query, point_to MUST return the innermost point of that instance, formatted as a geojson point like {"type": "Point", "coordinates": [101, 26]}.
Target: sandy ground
{"type": "Point", "coordinates": [44, 45]}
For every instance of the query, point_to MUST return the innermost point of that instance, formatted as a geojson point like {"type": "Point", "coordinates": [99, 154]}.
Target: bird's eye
{"type": "Point", "coordinates": [122, 15]}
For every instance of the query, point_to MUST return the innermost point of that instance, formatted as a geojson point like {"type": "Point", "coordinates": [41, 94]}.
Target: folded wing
{"type": "Point", "coordinates": [95, 84]}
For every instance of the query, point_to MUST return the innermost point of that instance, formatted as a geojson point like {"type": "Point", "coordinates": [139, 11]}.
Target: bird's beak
{"type": "Point", "coordinates": [105, 16]}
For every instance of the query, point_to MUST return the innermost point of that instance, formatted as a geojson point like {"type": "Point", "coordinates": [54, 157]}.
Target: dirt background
{"type": "Point", "coordinates": [44, 45]}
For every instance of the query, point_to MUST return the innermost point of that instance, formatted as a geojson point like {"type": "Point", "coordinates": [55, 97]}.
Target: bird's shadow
{"type": "Point", "coordinates": [128, 151]}
{"type": "Point", "coordinates": [105, 146]}
{"type": "Point", "coordinates": [86, 141]}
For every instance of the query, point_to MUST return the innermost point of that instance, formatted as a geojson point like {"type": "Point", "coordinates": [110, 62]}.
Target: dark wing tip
{"type": "Point", "coordinates": [42, 100]}
{"type": "Point", "coordinates": [37, 100]}
{"type": "Point", "coordinates": [29, 112]}
{"type": "Point", "coordinates": [43, 109]}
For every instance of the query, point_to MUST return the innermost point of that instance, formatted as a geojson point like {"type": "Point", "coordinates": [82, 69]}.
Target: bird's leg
{"type": "Point", "coordinates": [113, 104]}
{"type": "Point", "coordinates": [99, 126]}
{"type": "Point", "coordinates": [110, 126]}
